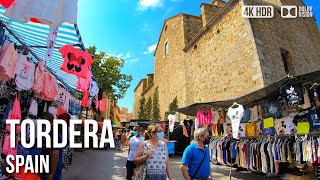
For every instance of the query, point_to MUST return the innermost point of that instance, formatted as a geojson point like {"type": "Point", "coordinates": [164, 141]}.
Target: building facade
{"type": "Point", "coordinates": [220, 55]}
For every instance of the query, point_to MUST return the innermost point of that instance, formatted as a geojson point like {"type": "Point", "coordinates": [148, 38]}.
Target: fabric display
{"type": "Point", "coordinates": [94, 88]}
{"type": "Point", "coordinates": [272, 109]}
{"type": "Point", "coordinates": [204, 117]}
{"type": "Point", "coordinates": [246, 116]}
{"type": "Point", "coordinates": [75, 62]}
{"type": "Point", "coordinates": [8, 61]}
{"type": "Point", "coordinates": [235, 114]}
{"type": "Point", "coordinates": [265, 155]}
{"type": "Point", "coordinates": [314, 97]}
{"type": "Point", "coordinates": [101, 105]}
{"type": "Point", "coordinates": [57, 12]}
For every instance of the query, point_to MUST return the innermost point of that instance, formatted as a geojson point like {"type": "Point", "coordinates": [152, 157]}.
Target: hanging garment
{"type": "Point", "coordinates": [314, 96]}
{"type": "Point", "coordinates": [66, 104]}
{"type": "Point", "coordinates": [268, 122]}
{"type": "Point", "coordinates": [61, 96]}
{"type": "Point", "coordinates": [75, 62]}
{"type": "Point", "coordinates": [272, 109]}
{"type": "Point", "coordinates": [293, 94]}
{"type": "Point", "coordinates": [8, 61]}
{"type": "Point", "coordinates": [50, 88]}
{"type": "Point", "coordinates": [222, 116]}
{"type": "Point", "coordinates": [53, 111]}
{"type": "Point", "coordinates": [172, 119]}
{"type": "Point", "coordinates": [280, 126]}
{"type": "Point", "coordinates": [307, 103]}
{"type": "Point", "coordinates": [25, 73]}
{"type": "Point", "coordinates": [52, 13]}
{"type": "Point", "coordinates": [284, 106]}
{"type": "Point", "coordinates": [246, 116]}
{"type": "Point", "coordinates": [15, 114]}
{"type": "Point", "coordinates": [235, 114]}
{"type": "Point", "coordinates": [52, 37]}
{"type": "Point", "coordinates": [101, 105]}
{"type": "Point", "coordinates": [39, 78]}
{"type": "Point", "coordinates": [6, 3]}
{"type": "Point", "coordinates": [33, 110]}
{"type": "Point", "coordinates": [83, 84]}
{"type": "Point", "coordinates": [85, 100]}
{"type": "Point", "coordinates": [251, 129]}
{"type": "Point", "coordinates": [242, 130]}
{"type": "Point", "coordinates": [314, 118]}
{"type": "Point", "coordinates": [204, 117]}
{"type": "Point", "coordinates": [94, 88]}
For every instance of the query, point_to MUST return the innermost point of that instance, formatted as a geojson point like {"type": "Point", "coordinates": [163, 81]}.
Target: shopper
{"type": "Point", "coordinates": [196, 157]}
{"type": "Point", "coordinates": [134, 143]}
{"type": "Point", "coordinates": [118, 139]}
{"type": "Point", "coordinates": [123, 138]}
{"type": "Point", "coordinates": [155, 153]}
{"type": "Point", "coordinates": [54, 153]}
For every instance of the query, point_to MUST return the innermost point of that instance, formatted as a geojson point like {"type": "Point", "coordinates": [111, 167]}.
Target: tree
{"type": "Point", "coordinates": [148, 108]}
{"type": "Point", "coordinates": [107, 72]}
{"type": "Point", "coordinates": [155, 105]}
{"type": "Point", "coordinates": [141, 112]}
{"type": "Point", "coordinates": [172, 106]}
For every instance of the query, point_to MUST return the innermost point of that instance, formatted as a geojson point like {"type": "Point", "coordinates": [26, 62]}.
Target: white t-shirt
{"type": "Point", "coordinates": [235, 115]}
{"type": "Point", "coordinates": [134, 144]}
{"type": "Point", "coordinates": [25, 73]}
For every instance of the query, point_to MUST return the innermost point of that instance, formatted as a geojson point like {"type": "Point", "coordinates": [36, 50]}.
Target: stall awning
{"type": "Point", "coordinates": [269, 92]}
{"type": "Point", "coordinates": [35, 35]}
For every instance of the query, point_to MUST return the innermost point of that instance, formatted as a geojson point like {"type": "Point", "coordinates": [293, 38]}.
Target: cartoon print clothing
{"type": "Point", "coordinates": [293, 94]}
{"type": "Point", "coordinates": [314, 118]}
{"type": "Point", "coordinates": [280, 126]}
{"type": "Point", "coordinates": [53, 13]}
{"type": "Point", "coordinates": [272, 109]}
{"type": "Point", "coordinates": [291, 128]}
{"type": "Point", "coordinates": [242, 130]}
{"type": "Point", "coordinates": [25, 73]}
{"type": "Point", "coordinates": [6, 3]}
{"type": "Point", "coordinates": [204, 117]}
{"type": "Point", "coordinates": [254, 114]}
{"type": "Point", "coordinates": [235, 114]}
{"type": "Point", "coordinates": [75, 62]}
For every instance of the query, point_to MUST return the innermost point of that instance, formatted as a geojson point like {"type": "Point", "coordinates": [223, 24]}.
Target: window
{"type": "Point", "coordinates": [166, 48]}
{"type": "Point", "coordinates": [286, 61]}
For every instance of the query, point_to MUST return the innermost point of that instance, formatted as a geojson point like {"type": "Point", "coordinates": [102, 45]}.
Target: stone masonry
{"type": "Point", "coordinates": [219, 55]}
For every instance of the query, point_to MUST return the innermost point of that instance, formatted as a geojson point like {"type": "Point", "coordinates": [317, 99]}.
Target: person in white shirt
{"type": "Point", "coordinates": [134, 143]}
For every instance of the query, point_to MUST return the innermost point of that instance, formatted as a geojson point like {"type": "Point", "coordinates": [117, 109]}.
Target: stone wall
{"type": "Point", "coordinates": [223, 63]}
{"type": "Point", "coordinates": [170, 70]}
{"type": "Point", "coordinates": [299, 37]}
{"type": "Point", "coordinates": [137, 95]}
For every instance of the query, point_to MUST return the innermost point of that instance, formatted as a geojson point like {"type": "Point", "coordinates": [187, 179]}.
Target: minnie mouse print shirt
{"type": "Point", "coordinates": [75, 62]}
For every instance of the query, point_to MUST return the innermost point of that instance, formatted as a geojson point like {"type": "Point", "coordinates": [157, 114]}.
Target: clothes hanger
{"type": "Point", "coordinates": [314, 85]}
{"type": "Point", "coordinates": [235, 104]}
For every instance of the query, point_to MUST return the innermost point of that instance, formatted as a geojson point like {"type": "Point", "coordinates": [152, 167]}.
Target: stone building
{"type": "Point", "coordinates": [145, 89]}
{"type": "Point", "coordinates": [220, 55]}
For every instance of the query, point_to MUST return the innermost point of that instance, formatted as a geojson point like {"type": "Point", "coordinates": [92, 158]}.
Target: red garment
{"type": "Point", "coordinates": [185, 132]}
{"type": "Point", "coordinates": [204, 117]}
{"type": "Point", "coordinates": [85, 100]}
{"type": "Point", "coordinates": [28, 175]}
{"type": "Point", "coordinates": [60, 111]}
{"type": "Point", "coordinates": [75, 62]}
{"type": "Point", "coordinates": [101, 105]}
{"type": "Point", "coordinates": [6, 3]}
{"type": "Point", "coordinates": [84, 83]}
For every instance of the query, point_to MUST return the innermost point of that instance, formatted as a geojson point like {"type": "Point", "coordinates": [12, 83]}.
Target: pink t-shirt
{"type": "Point", "coordinates": [102, 103]}
{"type": "Point", "coordinates": [204, 117]}
{"type": "Point", "coordinates": [9, 59]}
{"type": "Point", "coordinates": [75, 62]}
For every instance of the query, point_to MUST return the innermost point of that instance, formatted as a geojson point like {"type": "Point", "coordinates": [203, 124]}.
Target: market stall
{"type": "Point", "coordinates": [280, 121]}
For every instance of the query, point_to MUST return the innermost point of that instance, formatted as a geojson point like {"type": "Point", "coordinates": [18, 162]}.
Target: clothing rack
{"type": "Point", "coordinates": [32, 53]}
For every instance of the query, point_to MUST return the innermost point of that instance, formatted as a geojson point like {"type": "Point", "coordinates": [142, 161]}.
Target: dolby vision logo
{"type": "Point", "coordinates": [289, 11]}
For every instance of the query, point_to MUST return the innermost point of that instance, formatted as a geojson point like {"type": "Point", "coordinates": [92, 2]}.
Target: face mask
{"type": "Point", "coordinates": [135, 133]}
{"type": "Point", "coordinates": [206, 141]}
{"type": "Point", "coordinates": [160, 135]}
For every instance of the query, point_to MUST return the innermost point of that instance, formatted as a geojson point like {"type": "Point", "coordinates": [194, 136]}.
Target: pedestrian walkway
{"type": "Point", "coordinates": [111, 164]}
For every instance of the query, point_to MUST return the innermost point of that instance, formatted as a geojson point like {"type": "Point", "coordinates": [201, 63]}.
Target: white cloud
{"type": "Point", "coordinates": [146, 4]}
{"type": "Point", "coordinates": [132, 61]}
{"type": "Point", "coordinates": [151, 49]}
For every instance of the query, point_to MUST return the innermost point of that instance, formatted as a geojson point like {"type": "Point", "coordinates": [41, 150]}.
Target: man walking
{"type": "Point", "coordinates": [195, 163]}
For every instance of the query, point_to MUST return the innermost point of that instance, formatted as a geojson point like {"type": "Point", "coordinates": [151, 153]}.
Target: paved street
{"type": "Point", "coordinates": [110, 164]}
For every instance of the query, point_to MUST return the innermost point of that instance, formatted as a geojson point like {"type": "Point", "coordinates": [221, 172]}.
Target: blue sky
{"type": "Point", "coordinates": [130, 29]}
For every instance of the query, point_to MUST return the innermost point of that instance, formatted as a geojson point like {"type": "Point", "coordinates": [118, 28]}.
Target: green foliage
{"type": "Point", "coordinates": [142, 112]}
{"type": "Point", "coordinates": [107, 71]}
{"type": "Point", "coordinates": [148, 108]}
{"type": "Point", "coordinates": [172, 106]}
{"type": "Point", "coordinates": [155, 105]}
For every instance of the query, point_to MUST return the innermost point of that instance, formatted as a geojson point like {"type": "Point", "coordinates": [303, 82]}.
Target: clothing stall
{"type": "Point", "coordinates": [272, 131]}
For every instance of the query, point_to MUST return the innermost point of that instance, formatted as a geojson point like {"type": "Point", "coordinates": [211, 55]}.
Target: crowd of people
{"type": "Point", "coordinates": [148, 157]}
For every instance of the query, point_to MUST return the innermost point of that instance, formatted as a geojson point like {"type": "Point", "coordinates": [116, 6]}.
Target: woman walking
{"type": "Point", "coordinates": [155, 153]}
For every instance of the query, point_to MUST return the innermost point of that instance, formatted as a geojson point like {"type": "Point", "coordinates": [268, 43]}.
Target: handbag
{"type": "Point", "coordinates": [194, 175]}
{"type": "Point", "coordinates": [141, 169]}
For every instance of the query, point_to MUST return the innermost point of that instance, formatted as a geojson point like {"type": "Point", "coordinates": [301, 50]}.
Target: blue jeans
{"type": "Point", "coordinates": [118, 143]}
